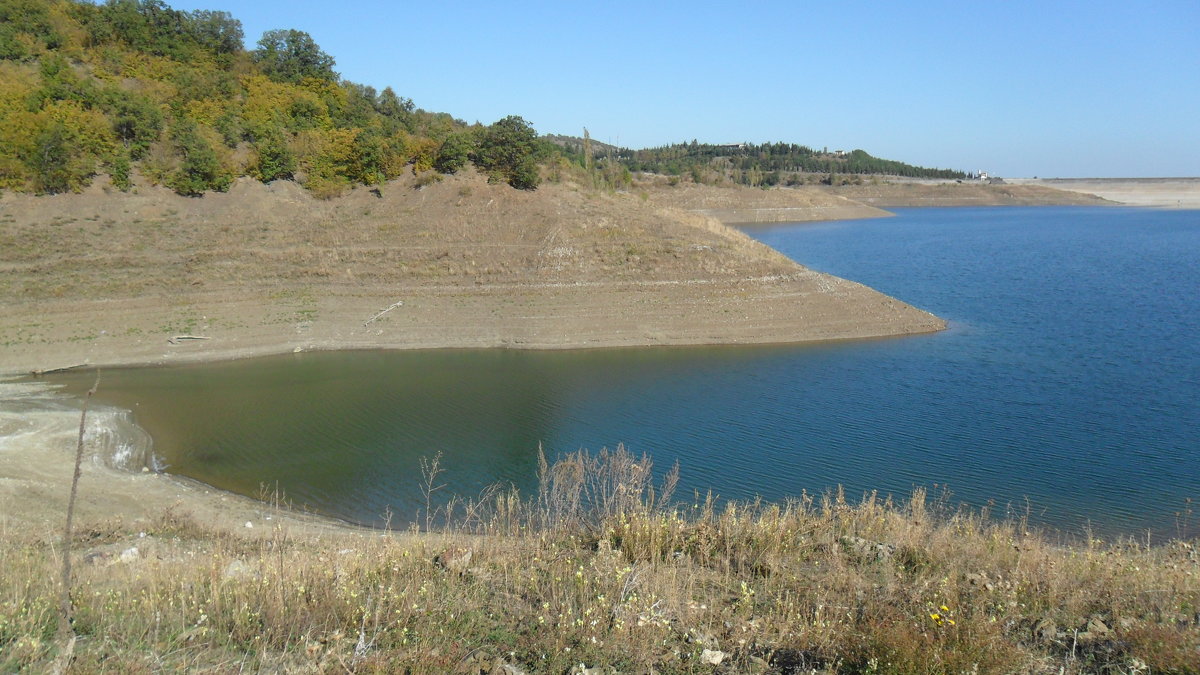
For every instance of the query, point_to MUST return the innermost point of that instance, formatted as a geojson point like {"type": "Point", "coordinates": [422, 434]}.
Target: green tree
{"type": "Point", "coordinates": [136, 121]}
{"type": "Point", "coordinates": [506, 152]}
{"type": "Point", "coordinates": [55, 168]}
{"type": "Point", "coordinates": [28, 19]}
{"type": "Point", "coordinates": [454, 152]}
{"type": "Point", "coordinates": [292, 55]}
{"type": "Point", "coordinates": [366, 159]}
{"type": "Point", "coordinates": [201, 168]}
{"type": "Point", "coordinates": [217, 31]}
{"type": "Point", "coordinates": [275, 159]}
{"type": "Point", "coordinates": [118, 170]}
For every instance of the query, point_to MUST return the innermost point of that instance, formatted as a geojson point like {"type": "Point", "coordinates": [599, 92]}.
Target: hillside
{"type": "Point", "coordinates": [108, 277]}
{"type": "Point", "coordinates": [183, 99]}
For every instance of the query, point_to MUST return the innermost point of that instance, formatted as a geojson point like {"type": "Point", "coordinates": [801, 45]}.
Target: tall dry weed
{"type": "Point", "coordinates": [600, 567]}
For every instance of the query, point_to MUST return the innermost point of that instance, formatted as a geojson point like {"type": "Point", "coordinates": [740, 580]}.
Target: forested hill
{"type": "Point", "coordinates": [770, 163]}
{"type": "Point", "coordinates": [134, 85]}
{"type": "Point", "coordinates": [88, 88]}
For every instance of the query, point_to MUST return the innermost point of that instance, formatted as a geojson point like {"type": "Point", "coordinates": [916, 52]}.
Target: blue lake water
{"type": "Point", "coordinates": [1067, 387]}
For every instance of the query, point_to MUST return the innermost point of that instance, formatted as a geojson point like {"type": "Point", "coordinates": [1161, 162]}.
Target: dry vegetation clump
{"type": "Point", "coordinates": [602, 569]}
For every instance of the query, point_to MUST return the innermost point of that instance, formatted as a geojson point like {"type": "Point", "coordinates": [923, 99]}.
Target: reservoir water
{"type": "Point", "coordinates": [1067, 387]}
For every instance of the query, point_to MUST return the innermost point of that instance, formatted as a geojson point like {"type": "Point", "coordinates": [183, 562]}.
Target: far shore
{"type": "Point", "coordinates": [1175, 193]}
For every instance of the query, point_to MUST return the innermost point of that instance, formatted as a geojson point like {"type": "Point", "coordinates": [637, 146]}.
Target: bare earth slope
{"type": "Point", "coordinates": [968, 193]}
{"type": "Point", "coordinates": [110, 278]}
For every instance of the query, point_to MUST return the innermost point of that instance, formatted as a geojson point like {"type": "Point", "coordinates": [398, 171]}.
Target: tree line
{"type": "Point", "coordinates": [758, 165]}
{"type": "Point", "coordinates": [105, 88]}
{"type": "Point", "coordinates": [767, 164]}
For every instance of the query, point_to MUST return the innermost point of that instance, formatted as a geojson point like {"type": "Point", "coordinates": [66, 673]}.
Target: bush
{"type": "Point", "coordinates": [506, 152]}
{"type": "Point", "coordinates": [454, 153]}
{"type": "Point", "coordinates": [201, 168]}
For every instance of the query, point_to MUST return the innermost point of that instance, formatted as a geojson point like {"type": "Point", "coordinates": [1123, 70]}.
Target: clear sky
{"type": "Point", "coordinates": [1046, 88]}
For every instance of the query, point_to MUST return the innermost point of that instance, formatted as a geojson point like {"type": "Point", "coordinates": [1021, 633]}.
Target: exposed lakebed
{"type": "Point", "coordinates": [1067, 386]}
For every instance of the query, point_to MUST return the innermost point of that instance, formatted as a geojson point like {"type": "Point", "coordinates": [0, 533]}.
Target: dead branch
{"type": "Point", "coordinates": [394, 306]}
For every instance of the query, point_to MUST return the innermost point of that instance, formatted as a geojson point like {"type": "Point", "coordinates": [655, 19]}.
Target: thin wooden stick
{"type": "Point", "coordinates": [397, 304]}
{"type": "Point", "coordinates": [65, 629]}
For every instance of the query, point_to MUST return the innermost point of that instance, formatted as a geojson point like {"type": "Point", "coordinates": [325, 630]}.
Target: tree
{"type": "Point", "coordinates": [217, 31]}
{"type": "Point", "coordinates": [506, 150]}
{"type": "Point", "coordinates": [136, 121]}
{"type": "Point", "coordinates": [52, 161]}
{"type": "Point", "coordinates": [275, 159]}
{"type": "Point", "coordinates": [366, 159]}
{"type": "Point", "coordinates": [292, 55]}
{"type": "Point", "coordinates": [201, 169]}
{"type": "Point", "coordinates": [454, 153]}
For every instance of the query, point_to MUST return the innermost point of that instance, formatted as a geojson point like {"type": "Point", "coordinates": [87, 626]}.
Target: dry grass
{"type": "Point", "coordinates": [601, 568]}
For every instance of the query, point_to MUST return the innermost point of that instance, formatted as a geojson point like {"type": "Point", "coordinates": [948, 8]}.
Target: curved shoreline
{"type": "Point", "coordinates": [112, 279]}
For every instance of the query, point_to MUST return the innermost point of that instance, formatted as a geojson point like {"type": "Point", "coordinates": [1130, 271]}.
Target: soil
{"type": "Point", "coordinates": [1179, 193]}
{"type": "Point", "coordinates": [966, 193]}
{"type": "Point", "coordinates": [107, 278]}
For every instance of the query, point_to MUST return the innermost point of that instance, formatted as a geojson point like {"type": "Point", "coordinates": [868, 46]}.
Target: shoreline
{"type": "Point", "coordinates": [683, 280]}
{"type": "Point", "coordinates": [111, 279]}
{"type": "Point", "coordinates": [802, 307]}
{"type": "Point", "coordinates": [1171, 193]}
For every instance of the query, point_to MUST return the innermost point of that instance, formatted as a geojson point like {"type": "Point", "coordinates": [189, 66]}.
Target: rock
{"type": "Point", "coordinates": [702, 638]}
{"type": "Point", "coordinates": [584, 670]}
{"type": "Point", "coordinates": [712, 657]}
{"type": "Point", "coordinates": [236, 569]}
{"type": "Point", "coordinates": [502, 668]}
{"type": "Point", "coordinates": [868, 550]}
{"type": "Point", "coordinates": [455, 559]}
{"type": "Point", "coordinates": [759, 665]}
{"type": "Point", "coordinates": [482, 663]}
{"type": "Point", "coordinates": [1095, 631]}
{"type": "Point", "coordinates": [1045, 630]}
{"type": "Point", "coordinates": [130, 554]}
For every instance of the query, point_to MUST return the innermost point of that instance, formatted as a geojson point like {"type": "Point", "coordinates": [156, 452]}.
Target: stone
{"type": "Point", "coordinates": [1045, 629]}
{"type": "Point", "coordinates": [130, 554]}
{"type": "Point", "coordinates": [712, 657]}
{"type": "Point", "coordinates": [236, 569]}
{"type": "Point", "coordinates": [454, 559]}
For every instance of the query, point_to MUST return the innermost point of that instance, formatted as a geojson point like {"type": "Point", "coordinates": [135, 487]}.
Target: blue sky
{"type": "Point", "coordinates": [1096, 88]}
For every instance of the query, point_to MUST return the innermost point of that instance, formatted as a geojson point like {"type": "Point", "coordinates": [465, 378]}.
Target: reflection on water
{"type": "Point", "coordinates": [1069, 382]}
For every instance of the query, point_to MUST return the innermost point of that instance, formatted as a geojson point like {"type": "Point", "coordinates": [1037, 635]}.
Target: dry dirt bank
{"type": "Point", "coordinates": [747, 206]}
{"type": "Point", "coordinates": [110, 278]}
{"type": "Point", "coordinates": [1165, 192]}
{"type": "Point", "coordinates": [962, 194]}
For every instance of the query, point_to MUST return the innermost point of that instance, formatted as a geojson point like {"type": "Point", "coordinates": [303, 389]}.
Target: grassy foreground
{"type": "Point", "coordinates": [602, 571]}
